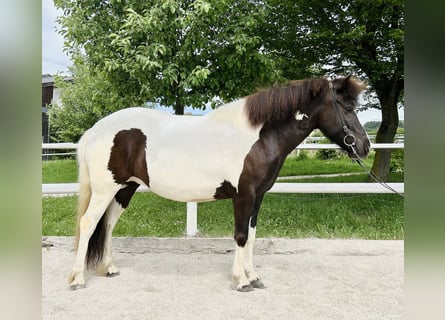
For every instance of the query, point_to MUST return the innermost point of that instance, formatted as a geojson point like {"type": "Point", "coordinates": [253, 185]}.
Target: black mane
{"type": "Point", "coordinates": [278, 104]}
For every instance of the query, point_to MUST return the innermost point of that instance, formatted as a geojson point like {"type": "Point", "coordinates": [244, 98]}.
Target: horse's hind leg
{"type": "Point", "coordinates": [96, 208]}
{"type": "Point", "coordinates": [114, 211]}
{"type": "Point", "coordinates": [107, 266]}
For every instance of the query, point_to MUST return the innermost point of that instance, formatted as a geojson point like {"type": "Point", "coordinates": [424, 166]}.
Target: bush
{"type": "Point", "coordinates": [326, 154]}
{"type": "Point", "coordinates": [302, 155]}
{"type": "Point", "coordinates": [397, 161]}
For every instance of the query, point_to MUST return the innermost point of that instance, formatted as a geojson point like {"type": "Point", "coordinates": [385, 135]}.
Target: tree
{"type": "Point", "coordinates": [339, 36]}
{"type": "Point", "coordinates": [84, 101]}
{"type": "Point", "coordinates": [172, 52]}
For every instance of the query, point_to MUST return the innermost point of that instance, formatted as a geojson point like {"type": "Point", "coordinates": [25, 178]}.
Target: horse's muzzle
{"type": "Point", "coordinates": [359, 151]}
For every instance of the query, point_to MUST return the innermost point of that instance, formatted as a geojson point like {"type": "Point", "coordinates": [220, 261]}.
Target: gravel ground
{"type": "Point", "coordinates": [189, 278]}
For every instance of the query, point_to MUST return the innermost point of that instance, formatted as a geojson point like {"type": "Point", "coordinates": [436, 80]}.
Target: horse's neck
{"type": "Point", "coordinates": [232, 112]}
{"type": "Point", "coordinates": [288, 136]}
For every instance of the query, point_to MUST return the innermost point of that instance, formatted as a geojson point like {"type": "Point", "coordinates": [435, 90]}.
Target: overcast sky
{"type": "Point", "coordinates": [54, 60]}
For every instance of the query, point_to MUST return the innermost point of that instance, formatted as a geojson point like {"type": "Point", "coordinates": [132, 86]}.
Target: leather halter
{"type": "Point", "coordinates": [349, 139]}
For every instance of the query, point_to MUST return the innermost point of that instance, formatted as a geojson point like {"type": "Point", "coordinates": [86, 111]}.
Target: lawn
{"type": "Point", "coordinates": [365, 216]}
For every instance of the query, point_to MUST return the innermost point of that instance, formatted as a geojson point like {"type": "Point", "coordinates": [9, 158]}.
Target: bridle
{"type": "Point", "coordinates": [349, 140]}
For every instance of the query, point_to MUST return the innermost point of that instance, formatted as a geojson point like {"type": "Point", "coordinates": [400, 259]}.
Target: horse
{"type": "Point", "coordinates": [234, 152]}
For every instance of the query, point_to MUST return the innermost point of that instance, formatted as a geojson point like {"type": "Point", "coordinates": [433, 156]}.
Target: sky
{"type": "Point", "coordinates": [54, 60]}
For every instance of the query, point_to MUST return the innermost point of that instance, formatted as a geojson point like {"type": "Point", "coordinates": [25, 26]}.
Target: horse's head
{"type": "Point", "coordinates": [338, 119]}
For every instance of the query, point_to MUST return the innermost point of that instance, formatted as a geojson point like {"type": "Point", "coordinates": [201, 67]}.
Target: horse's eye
{"type": "Point", "coordinates": [347, 106]}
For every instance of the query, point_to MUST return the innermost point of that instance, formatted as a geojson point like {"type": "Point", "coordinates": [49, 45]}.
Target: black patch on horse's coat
{"type": "Point", "coordinates": [123, 196]}
{"type": "Point", "coordinates": [275, 110]}
{"type": "Point", "coordinates": [127, 158]}
{"type": "Point", "coordinates": [225, 191]}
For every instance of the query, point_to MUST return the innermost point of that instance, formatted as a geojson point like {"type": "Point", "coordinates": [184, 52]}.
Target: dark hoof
{"type": "Point", "coordinates": [257, 284]}
{"type": "Point", "coordinates": [245, 288]}
{"type": "Point", "coordinates": [111, 275]}
{"type": "Point", "coordinates": [77, 287]}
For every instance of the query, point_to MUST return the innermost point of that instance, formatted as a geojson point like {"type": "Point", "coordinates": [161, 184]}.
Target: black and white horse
{"type": "Point", "coordinates": [233, 152]}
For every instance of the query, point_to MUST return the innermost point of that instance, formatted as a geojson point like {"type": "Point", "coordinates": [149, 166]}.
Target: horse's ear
{"type": "Point", "coordinates": [351, 86]}
{"type": "Point", "coordinates": [346, 82]}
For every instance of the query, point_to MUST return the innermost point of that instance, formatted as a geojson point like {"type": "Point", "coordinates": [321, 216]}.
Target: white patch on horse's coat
{"type": "Point", "coordinates": [300, 116]}
{"type": "Point", "coordinates": [238, 273]}
{"type": "Point", "coordinates": [248, 256]}
{"type": "Point", "coordinates": [190, 157]}
{"type": "Point", "coordinates": [135, 179]}
{"type": "Point", "coordinates": [187, 157]}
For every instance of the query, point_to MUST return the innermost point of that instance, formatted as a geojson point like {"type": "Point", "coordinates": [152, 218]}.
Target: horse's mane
{"type": "Point", "coordinates": [277, 104]}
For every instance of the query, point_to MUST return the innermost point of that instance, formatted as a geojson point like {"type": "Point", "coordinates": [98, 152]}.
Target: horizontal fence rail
{"type": "Point", "coordinates": [307, 146]}
{"type": "Point", "coordinates": [64, 189]}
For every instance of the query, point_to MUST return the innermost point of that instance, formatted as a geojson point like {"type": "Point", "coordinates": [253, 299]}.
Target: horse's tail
{"type": "Point", "coordinates": [84, 188]}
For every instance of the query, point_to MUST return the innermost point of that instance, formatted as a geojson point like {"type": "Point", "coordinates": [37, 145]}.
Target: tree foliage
{"type": "Point", "coordinates": [337, 37]}
{"type": "Point", "coordinates": [173, 52]}
{"type": "Point", "coordinates": [188, 52]}
{"type": "Point", "coordinates": [85, 100]}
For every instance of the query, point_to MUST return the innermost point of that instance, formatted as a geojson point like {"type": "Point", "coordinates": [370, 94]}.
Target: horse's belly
{"type": "Point", "coordinates": [193, 172]}
{"type": "Point", "coordinates": [196, 181]}
{"type": "Point", "coordinates": [184, 193]}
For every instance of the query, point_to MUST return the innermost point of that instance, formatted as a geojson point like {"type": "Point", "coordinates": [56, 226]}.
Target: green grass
{"type": "Point", "coordinates": [59, 171]}
{"type": "Point", "coordinates": [365, 216]}
{"type": "Point", "coordinates": [293, 166]}
{"type": "Point", "coordinates": [281, 215]}
{"type": "Point", "coordinates": [314, 215]}
{"type": "Point", "coordinates": [58, 215]}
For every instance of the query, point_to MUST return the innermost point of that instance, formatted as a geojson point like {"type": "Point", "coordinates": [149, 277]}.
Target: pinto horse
{"type": "Point", "coordinates": [235, 151]}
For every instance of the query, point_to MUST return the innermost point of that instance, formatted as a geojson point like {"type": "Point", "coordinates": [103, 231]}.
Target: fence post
{"type": "Point", "coordinates": [192, 219]}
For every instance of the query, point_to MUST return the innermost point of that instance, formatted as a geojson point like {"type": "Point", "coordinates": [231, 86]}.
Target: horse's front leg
{"type": "Point", "coordinates": [245, 276]}
{"type": "Point", "coordinates": [238, 272]}
{"type": "Point", "coordinates": [252, 275]}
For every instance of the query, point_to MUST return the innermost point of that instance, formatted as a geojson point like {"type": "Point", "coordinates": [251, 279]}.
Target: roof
{"type": "Point", "coordinates": [48, 80]}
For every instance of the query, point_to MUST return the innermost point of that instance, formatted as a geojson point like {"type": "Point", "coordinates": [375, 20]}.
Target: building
{"type": "Point", "coordinates": [50, 94]}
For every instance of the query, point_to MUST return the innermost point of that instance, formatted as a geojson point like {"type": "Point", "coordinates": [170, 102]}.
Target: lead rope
{"type": "Point", "coordinates": [372, 175]}
{"type": "Point", "coordinates": [349, 141]}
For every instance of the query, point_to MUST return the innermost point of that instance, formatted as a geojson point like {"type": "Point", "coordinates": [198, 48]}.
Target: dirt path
{"type": "Point", "coordinates": [190, 279]}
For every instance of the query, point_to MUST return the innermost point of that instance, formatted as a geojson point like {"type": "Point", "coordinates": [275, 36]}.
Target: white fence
{"type": "Point", "coordinates": [60, 189]}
